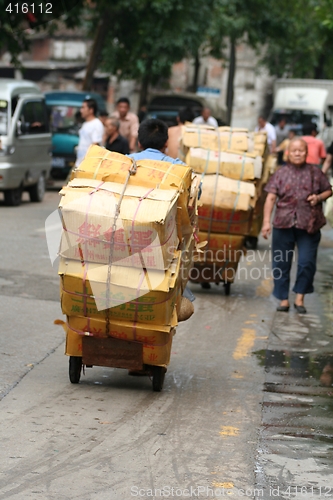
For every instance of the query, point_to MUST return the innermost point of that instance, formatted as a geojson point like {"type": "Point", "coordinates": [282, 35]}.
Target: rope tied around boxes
{"type": "Point", "coordinates": [237, 196]}
{"type": "Point", "coordinates": [132, 171]}
{"type": "Point", "coordinates": [215, 189]}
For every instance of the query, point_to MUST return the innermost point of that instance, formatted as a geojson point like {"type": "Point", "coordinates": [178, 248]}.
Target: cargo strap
{"type": "Point", "coordinates": [230, 138]}
{"type": "Point", "coordinates": [100, 163]}
{"type": "Point", "coordinates": [215, 190]}
{"type": "Point", "coordinates": [237, 197]}
{"type": "Point", "coordinates": [132, 171]}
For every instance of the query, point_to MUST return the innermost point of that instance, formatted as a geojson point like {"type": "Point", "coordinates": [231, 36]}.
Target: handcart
{"type": "Point", "coordinates": [214, 272]}
{"type": "Point", "coordinates": [88, 351]}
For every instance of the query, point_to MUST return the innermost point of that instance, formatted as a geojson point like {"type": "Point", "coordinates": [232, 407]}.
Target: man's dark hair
{"type": "Point", "coordinates": [153, 133]}
{"type": "Point", "coordinates": [103, 113]}
{"type": "Point", "coordinates": [185, 115]}
{"type": "Point", "coordinates": [123, 99]}
{"type": "Point", "coordinates": [308, 128]}
{"type": "Point", "coordinates": [92, 104]}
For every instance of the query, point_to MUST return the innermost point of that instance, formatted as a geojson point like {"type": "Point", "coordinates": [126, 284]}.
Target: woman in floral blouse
{"type": "Point", "coordinates": [295, 189]}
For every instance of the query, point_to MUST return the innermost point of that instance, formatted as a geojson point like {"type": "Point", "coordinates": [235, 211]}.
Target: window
{"type": "Point", "coordinates": [34, 118]}
{"type": "Point", "coordinates": [3, 117]}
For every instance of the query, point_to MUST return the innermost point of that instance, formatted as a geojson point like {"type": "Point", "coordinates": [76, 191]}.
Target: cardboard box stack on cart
{"type": "Point", "coordinates": [122, 274]}
{"type": "Point", "coordinates": [230, 162]}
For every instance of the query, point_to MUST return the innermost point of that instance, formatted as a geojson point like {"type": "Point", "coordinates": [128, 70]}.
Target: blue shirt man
{"type": "Point", "coordinates": [153, 139]}
{"type": "Point", "coordinates": [155, 154]}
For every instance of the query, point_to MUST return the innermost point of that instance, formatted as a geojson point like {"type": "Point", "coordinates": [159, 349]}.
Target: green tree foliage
{"type": "Point", "coordinates": [19, 19]}
{"type": "Point", "coordinates": [147, 36]}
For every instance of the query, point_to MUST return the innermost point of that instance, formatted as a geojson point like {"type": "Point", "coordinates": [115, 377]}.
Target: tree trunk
{"type": "Point", "coordinates": [231, 77]}
{"type": "Point", "coordinates": [96, 50]}
{"type": "Point", "coordinates": [319, 72]}
{"type": "Point", "coordinates": [144, 89]}
{"type": "Point", "coordinates": [194, 85]}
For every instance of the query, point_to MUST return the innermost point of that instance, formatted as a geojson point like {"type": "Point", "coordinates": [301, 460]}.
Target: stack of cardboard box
{"type": "Point", "coordinates": [232, 164]}
{"type": "Point", "coordinates": [123, 275]}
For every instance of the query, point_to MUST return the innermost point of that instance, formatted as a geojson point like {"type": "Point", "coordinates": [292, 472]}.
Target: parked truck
{"type": "Point", "coordinates": [303, 101]}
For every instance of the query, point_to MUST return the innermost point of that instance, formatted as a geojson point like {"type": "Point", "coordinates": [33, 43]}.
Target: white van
{"type": "Point", "coordinates": [25, 141]}
{"type": "Point", "coordinates": [305, 101]}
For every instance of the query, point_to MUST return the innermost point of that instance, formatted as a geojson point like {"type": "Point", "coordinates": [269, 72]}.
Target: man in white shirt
{"type": "Point", "coordinates": [91, 131]}
{"type": "Point", "coordinates": [205, 118]}
{"type": "Point", "coordinates": [265, 126]}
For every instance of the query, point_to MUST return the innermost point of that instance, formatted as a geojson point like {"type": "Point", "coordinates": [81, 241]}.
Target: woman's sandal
{"type": "Point", "coordinates": [300, 309]}
{"type": "Point", "coordinates": [283, 309]}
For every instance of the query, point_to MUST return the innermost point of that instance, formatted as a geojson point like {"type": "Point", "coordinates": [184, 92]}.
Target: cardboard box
{"type": "Point", "coordinates": [223, 193]}
{"type": "Point", "coordinates": [146, 232]}
{"type": "Point", "coordinates": [225, 220]}
{"type": "Point", "coordinates": [107, 166]}
{"type": "Point", "coordinates": [242, 167]}
{"type": "Point", "coordinates": [220, 139]}
{"type": "Point", "coordinates": [152, 354]}
{"type": "Point", "coordinates": [187, 248]}
{"type": "Point", "coordinates": [151, 334]}
{"type": "Point", "coordinates": [137, 295]}
{"type": "Point", "coordinates": [220, 248]}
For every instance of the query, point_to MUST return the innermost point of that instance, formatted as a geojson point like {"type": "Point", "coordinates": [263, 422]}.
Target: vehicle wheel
{"type": "Point", "coordinates": [227, 287]}
{"type": "Point", "coordinates": [251, 242]}
{"type": "Point", "coordinates": [37, 191]}
{"type": "Point", "coordinates": [13, 197]}
{"type": "Point", "coordinates": [158, 377]}
{"type": "Point", "coordinates": [75, 366]}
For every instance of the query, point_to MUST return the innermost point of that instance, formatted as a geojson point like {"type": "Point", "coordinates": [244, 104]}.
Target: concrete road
{"type": "Point", "coordinates": [245, 410]}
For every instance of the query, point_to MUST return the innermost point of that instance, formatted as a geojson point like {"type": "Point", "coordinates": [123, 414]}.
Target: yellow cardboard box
{"type": "Point", "coordinates": [144, 296]}
{"type": "Point", "coordinates": [221, 220]}
{"type": "Point", "coordinates": [187, 255]}
{"type": "Point", "coordinates": [220, 248]}
{"type": "Point", "coordinates": [223, 193]}
{"type": "Point", "coordinates": [128, 330]}
{"type": "Point", "coordinates": [107, 166]}
{"type": "Point", "coordinates": [146, 231]}
{"type": "Point", "coordinates": [238, 166]}
{"type": "Point", "coordinates": [220, 139]}
{"type": "Point", "coordinates": [156, 355]}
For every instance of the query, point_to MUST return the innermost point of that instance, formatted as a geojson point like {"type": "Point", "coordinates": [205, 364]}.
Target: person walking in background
{"type": "Point", "coordinates": [205, 118]}
{"type": "Point", "coordinates": [281, 130]}
{"type": "Point", "coordinates": [298, 190]}
{"type": "Point", "coordinates": [114, 141]}
{"type": "Point", "coordinates": [265, 126]}
{"type": "Point", "coordinates": [103, 116]}
{"type": "Point", "coordinates": [328, 160]}
{"type": "Point", "coordinates": [184, 115]}
{"type": "Point", "coordinates": [316, 147]}
{"type": "Point", "coordinates": [129, 122]}
{"type": "Point", "coordinates": [282, 149]}
{"type": "Point", "coordinates": [91, 131]}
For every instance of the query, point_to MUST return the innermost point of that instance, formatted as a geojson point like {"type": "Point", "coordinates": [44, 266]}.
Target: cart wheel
{"type": "Point", "coordinates": [251, 242]}
{"type": "Point", "coordinates": [75, 366]}
{"type": "Point", "coordinates": [158, 377]}
{"type": "Point", "coordinates": [227, 287]}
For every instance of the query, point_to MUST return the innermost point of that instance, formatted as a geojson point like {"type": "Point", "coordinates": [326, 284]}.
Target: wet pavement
{"type": "Point", "coordinates": [245, 411]}
{"type": "Point", "coordinates": [295, 449]}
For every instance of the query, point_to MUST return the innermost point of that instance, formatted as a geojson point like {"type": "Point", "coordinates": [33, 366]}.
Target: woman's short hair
{"type": "Point", "coordinates": [153, 133]}
{"type": "Point", "coordinates": [298, 139]}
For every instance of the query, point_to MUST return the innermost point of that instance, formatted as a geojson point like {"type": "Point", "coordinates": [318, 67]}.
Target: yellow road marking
{"type": "Point", "coordinates": [224, 485]}
{"type": "Point", "coordinates": [265, 288]}
{"type": "Point", "coordinates": [227, 430]}
{"type": "Point", "coordinates": [244, 344]}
